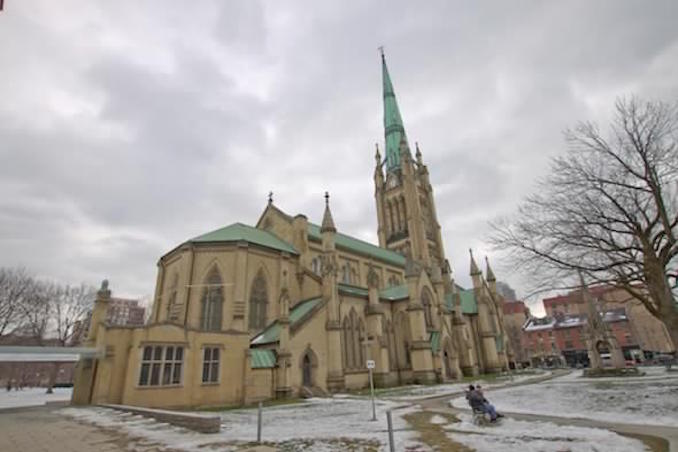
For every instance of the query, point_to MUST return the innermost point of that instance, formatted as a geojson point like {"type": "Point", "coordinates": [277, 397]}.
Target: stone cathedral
{"type": "Point", "coordinates": [289, 307]}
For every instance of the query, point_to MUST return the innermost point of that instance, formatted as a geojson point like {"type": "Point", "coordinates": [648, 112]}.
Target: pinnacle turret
{"type": "Point", "coordinates": [474, 267]}
{"type": "Point", "coordinates": [489, 274]}
{"type": "Point", "coordinates": [328, 223]}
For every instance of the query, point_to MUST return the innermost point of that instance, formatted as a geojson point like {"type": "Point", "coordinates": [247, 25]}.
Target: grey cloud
{"type": "Point", "coordinates": [170, 99]}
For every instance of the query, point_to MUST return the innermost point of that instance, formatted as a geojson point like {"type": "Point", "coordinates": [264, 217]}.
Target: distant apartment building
{"type": "Point", "coordinates": [120, 312]}
{"type": "Point", "coordinates": [123, 311]}
{"type": "Point", "coordinates": [645, 330]}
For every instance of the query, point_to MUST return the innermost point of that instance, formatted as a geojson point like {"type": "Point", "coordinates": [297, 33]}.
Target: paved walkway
{"type": "Point", "coordinates": [670, 434]}
{"type": "Point", "coordinates": [41, 429]}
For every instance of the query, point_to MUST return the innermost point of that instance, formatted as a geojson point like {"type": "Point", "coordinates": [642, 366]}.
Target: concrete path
{"type": "Point", "coordinates": [41, 429]}
{"type": "Point", "coordinates": [670, 434]}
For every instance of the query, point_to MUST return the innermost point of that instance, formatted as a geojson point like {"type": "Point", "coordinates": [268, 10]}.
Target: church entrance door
{"type": "Point", "coordinates": [306, 371]}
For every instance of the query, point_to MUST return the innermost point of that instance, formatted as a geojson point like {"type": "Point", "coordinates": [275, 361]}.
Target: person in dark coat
{"type": "Point", "coordinates": [479, 403]}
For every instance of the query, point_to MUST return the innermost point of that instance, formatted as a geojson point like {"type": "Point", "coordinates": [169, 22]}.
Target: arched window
{"type": "Point", "coordinates": [348, 344]}
{"type": "Point", "coordinates": [353, 333]}
{"type": "Point", "coordinates": [391, 222]}
{"type": "Point", "coordinates": [212, 302]}
{"type": "Point", "coordinates": [403, 340]}
{"type": "Point", "coordinates": [404, 213]}
{"type": "Point", "coordinates": [426, 302]}
{"type": "Point", "coordinates": [355, 280]}
{"type": "Point", "coordinates": [258, 302]}
{"type": "Point", "coordinates": [315, 265]}
{"type": "Point", "coordinates": [172, 311]}
{"type": "Point", "coordinates": [346, 274]}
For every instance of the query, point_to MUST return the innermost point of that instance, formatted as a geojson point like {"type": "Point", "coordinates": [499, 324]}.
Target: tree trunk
{"type": "Point", "coordinates": [52, 377]}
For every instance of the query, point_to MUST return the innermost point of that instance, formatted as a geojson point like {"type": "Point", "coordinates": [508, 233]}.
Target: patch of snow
{"type": "Point", "coordinates": [320, 421]}
{"type": "Point", "coordinates": [438, 420]}
{"type": "Point", "coordinates": [648, 400]}
{"type": "Point", "coordinates": [33, 397]}
{"type": "Point", "coordinates": [413, 392]}
{"type": "Point", "coordinates": [510, 435]}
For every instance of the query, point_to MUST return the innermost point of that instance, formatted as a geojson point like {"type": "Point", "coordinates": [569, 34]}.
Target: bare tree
{"type": "Point", "coordinates": [70, 306]}
{"type": "Point", "coordinates": [38, 309]}
{"type": "Point", "coordinates": [608, 209]}
{"type": "Point", "coordinates": [15, 284]}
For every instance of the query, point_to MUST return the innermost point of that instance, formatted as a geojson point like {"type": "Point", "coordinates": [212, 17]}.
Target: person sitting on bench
{"type": "Point", "coordinates": [479, 403]}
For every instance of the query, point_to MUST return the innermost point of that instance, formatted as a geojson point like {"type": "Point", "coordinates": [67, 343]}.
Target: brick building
{"type": "Point", "coordinates": [642, 328]}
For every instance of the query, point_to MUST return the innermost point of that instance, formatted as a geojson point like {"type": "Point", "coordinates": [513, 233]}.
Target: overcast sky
{"type": "Point", "coordinates": [128, 127]}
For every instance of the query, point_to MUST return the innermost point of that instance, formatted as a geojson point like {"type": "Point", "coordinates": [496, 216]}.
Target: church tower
{"type": "Point", "coordinates": [405, 208]}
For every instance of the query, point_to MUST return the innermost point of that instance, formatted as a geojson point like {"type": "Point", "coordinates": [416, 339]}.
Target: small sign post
{"type": "Point", "coordinates": [370, 366]}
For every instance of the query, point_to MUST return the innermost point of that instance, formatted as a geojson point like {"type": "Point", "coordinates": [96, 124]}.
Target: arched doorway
{"type": "Point", "coordinates": [306, 371]}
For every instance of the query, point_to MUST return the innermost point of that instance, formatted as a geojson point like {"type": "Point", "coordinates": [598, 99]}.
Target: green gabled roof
{"type": "Point", "coordinates": [347, 289]}
{"type": "Point", "coordinates": [272, 332]}
{"type": "Point", "coordinates": [237, 232]}
{"type": "Point", "coordinates": [262, 358]}
{"type": "Point", "coordinates": [435, 341]}
{"type": "Point", "coordinates": [468, 301]}
{"type": "Point", "coordinates": [394, 293]}
{"type": "Point", "coordinates": [349, 243]}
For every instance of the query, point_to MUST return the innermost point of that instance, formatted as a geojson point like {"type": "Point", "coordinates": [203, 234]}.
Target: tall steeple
{"type": "Point", "coordinates": [394, 131]}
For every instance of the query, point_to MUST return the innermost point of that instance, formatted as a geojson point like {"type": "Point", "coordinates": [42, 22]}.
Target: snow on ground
{"type": "Point", "coordinates": [651, 400]}
{"type": "Point", "coordinates": [413, 392]}
{"type": "Point", "coordinates": [510, 435]}
{"type": "Point", "coordinates": [33, 397]}
{"type": "Point", "coordinates": [323, 424]}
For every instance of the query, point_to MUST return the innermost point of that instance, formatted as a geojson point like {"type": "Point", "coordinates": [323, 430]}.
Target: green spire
{"type": "Point", "coordinates": [394, 132]}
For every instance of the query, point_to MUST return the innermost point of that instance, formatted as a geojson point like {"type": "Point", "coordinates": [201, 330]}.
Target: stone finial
{"type": "Point", "coordinates": [474, 267]}
{"type": "Point", "coordinates": [270, 197]}
{"type": "Point", "coordinates": [418, 153]}
{"type": "Point", "coordinates": [328, 223]}
{"type": "Point", "coordinates": [489, 274]}
{"type": "Point", "coordinates": [104, 291]}
{"type": "Point", "coordinates": [377, 154]}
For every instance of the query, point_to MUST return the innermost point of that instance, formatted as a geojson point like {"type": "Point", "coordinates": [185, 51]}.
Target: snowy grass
{"type": "Point", "coordinates": [33, 397]}
{"type": "Point", "coordinates": [318, 424]}
{"type": "Point", "coordinates": [413, 392]}
{"type": "Point", "coordinates": [651, 400]}
{"type": "Point", "coordinates": [511, 435]}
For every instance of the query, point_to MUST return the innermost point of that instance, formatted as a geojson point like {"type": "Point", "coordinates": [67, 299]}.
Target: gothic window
{"type": "Point", "coordinates": [354, 277]}
{"type": "Point", "coordinates": [258, 302]}
{"type": "Point", "coordinates": [172, 311]}
{"type": "Point", "coordinates": [315, 265]}
{"type": "Point", "coordinates": [404, 213]}
{"type": "Point", "coordinates": [348, 343]}
{"type": "Point", "coordinates": [353, 332]}
{"type": "Point", "coordinates": [392, 228]}
{"type": "Point", "coordinates": [426, 302]}
{"type": "Point", "coordinates": [346, 274]}
{"type": "Point", "coordinates": [397, 215]}
{"type": "Point", "coordinates": [212, 302]}
{"type": "Point", "coordinates": [402, 339]}
{"type": "Point", "coordinates": [391, 344]}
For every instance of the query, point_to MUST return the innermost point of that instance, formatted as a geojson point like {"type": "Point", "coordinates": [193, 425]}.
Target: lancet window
{"type": "Point", "coordinates": [258, 302]}
{"type": "Point", "coordinates": [212, 302]}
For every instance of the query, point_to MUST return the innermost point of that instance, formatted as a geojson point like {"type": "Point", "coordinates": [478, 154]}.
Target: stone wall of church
{"type": "Point", "coordinates": [119, 374]}
{"type": "Point", "coordinates": [184, 276]}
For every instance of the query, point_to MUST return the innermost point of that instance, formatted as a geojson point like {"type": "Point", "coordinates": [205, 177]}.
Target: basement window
{"type": "Point", "coordinates": [210, 365]}
{"type": "Point", "coordinates": [161, 365]}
